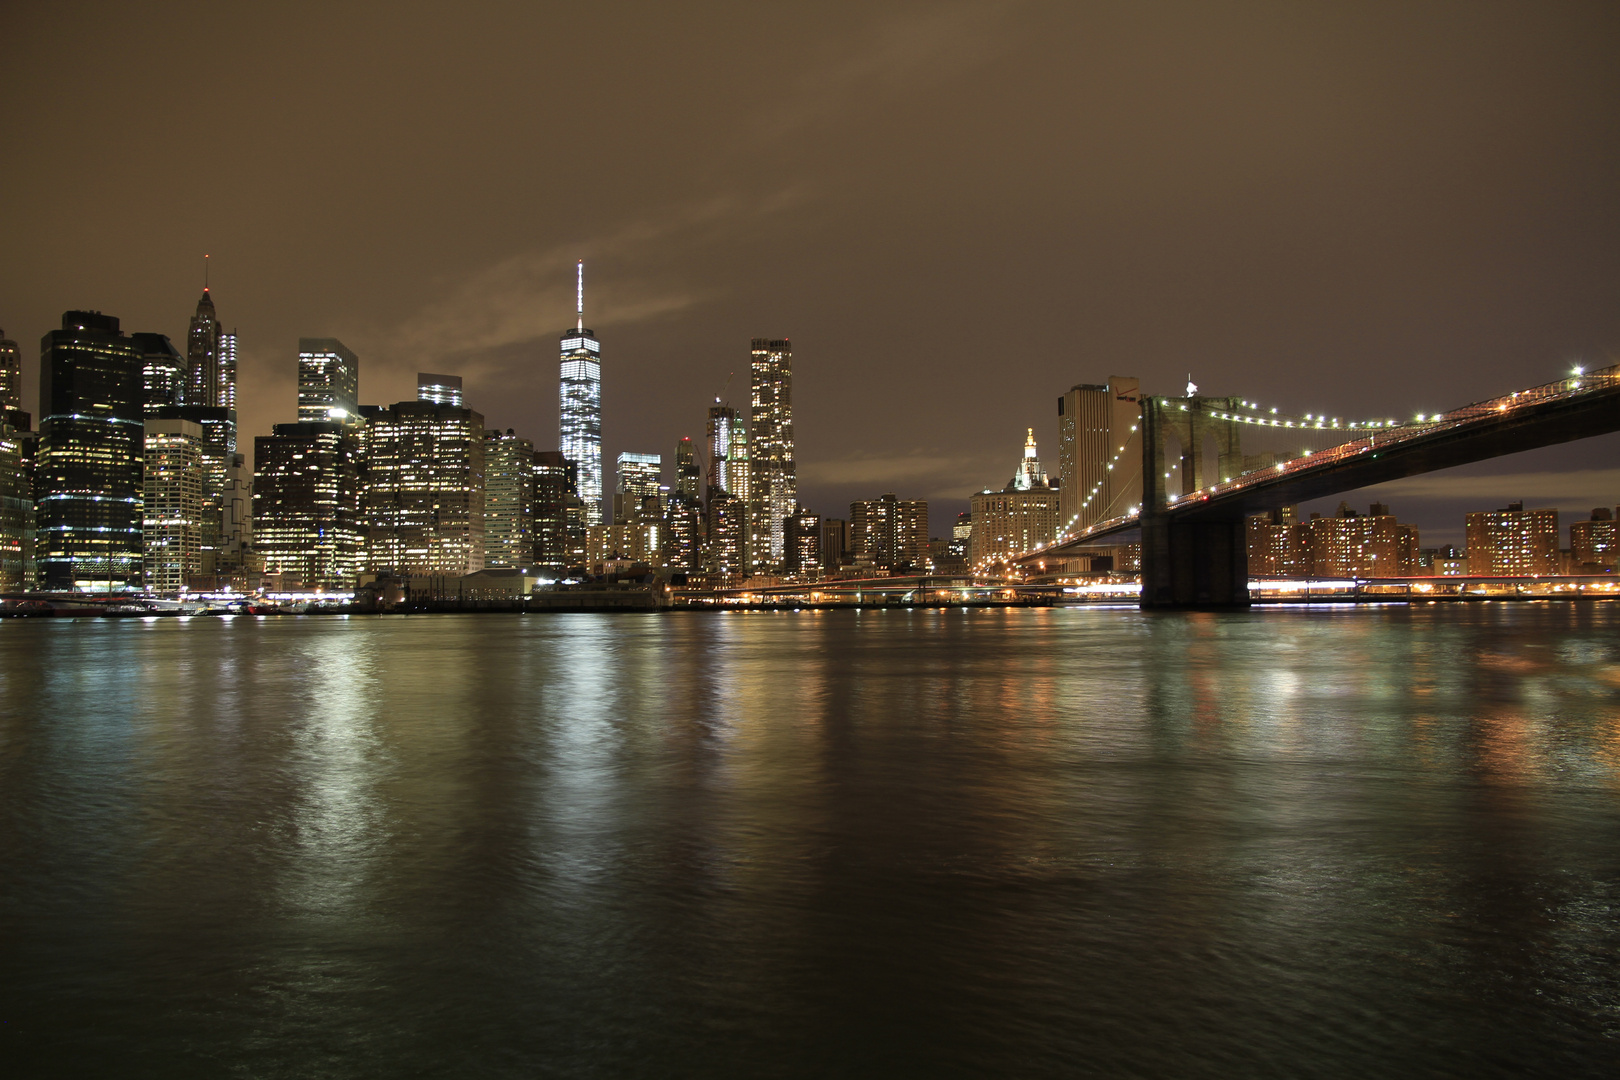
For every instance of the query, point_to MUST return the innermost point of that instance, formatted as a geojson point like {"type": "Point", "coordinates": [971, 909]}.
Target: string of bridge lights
{"type": "Point", "coordinates": [1093, 493]}
{"type": "Point", "coordinates": [1312, 421]}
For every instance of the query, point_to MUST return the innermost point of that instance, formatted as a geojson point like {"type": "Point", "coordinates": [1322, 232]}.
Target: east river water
{"type": "Point", "coordinates": [1062, 842]}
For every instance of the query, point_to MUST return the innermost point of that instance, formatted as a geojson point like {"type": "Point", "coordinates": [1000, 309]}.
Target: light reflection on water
{"type": "Point", "coordinates": [1339, 842]}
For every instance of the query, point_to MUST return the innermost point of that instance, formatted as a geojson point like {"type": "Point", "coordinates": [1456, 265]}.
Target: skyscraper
{"type": "Point", "coordinates": [888, 533]}
{"type": "Point", "coordinates": [551, 495]}
{"type": "Point", "coordinates": [89, 470]}
{"type": "Point", "coordinates": [203, 354]}
{"type": "Point", "coordinates": [10, 374]}
{"type": "Point", "coordinates": [1099, 452]}
{"type": "Point", "coordinates": [508, 500]}
{"type": "Point", "coordinates": [439, 389]}
{"type": "Point", "coordinates": [423, 501]}
{"type": "Point", "coordinates": [639, 476]}
{"type": "Point", "coordinates": [772, 474]}
{"type": "Point", "coordinates": [306, 504]}
{"type": "Point", "coordinates": [164, 373]}
{"type": "Point", "coordinates": [328, 381]}
{"type": "Point", "coordinates": [581, 391]}
{"type": "Point", "coordinates": [1512, 541]}
{"type": "Point", "coordinates": [1018, 517]}
{"type": "Point", "coordinates": [175, 504]}
{"type": "Point", "coordinates": [16, 511]}
{"type": "Point", "coordinates": [227, 378]}
{"type": "Point", "coordinates": [721, 435]}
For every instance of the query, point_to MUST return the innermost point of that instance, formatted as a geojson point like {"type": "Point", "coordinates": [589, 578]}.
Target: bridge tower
{"type": "Point", "coordinates": [1191, 562]}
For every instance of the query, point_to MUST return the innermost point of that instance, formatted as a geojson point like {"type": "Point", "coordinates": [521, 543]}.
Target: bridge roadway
{"type": "Point", "coordinates": [1195, 546]}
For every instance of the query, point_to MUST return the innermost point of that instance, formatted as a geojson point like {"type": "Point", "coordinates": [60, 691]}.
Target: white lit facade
{"type": "Point", "coordinates": [773, 478]}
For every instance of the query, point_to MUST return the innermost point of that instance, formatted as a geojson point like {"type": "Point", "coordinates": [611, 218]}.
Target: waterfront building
{"type": "Point", "coordinates": [1099, 452]}
{"type": "Point", "coordinates": [803, 532]}
{"type": "Point", "coordinates": [727, 527]}
{"type": "Point", "coordinates": [1351, 545]}
{"type": "Point", "coordinates": [888, 533]}
{"type": "Point", "coordinates": [1020, 517]}
{"type": "Point", "coordinates": [438, 389]}
{"type": "Point", "coordinates": [175, 504]}
{"type": "Point", "coordinates": [638, 478]}
{"type": "Point", "coordinates": [773, 487]}
{"type": "Point", "coordinates": [164, 374]}
{"type": "Point", "coordinates": [581, 393]}
{"type": "Point", "coordinates": [91, 456]}
{"type": "Point", "coordinates": [509, 474]}
{"type": "Point", "coordinates": [834, 542]}
{"type": "Point", "coordinates": [328, 381]}
{"type": "Point", "coordinates": [1513, 542]}
{"type": "Point", "coordinates": [10, 375]}
{"type": "Point", "coordinates": [235, 555]}
{"type": "Point", "coordinates": [684, 535]}
{"type": "Point", "coordinates": [1343, 545]}
{"type": "Point", "coordinates": [553, 486]}
{"type": "Point", "coordinates": [306, 504]}
{"type": "Point", "coordinates": [203, 354]}
{"type": "Point", "coordinates": [16, 510]}
{"type": "Point", "coordinates": [1277, 547]}
{"type": "Point", "coordinates": [1594, 544]}
{"type": "Point", "coordinates": [218, 426]}
{"type": "Point", "coordinates": [423, 489]}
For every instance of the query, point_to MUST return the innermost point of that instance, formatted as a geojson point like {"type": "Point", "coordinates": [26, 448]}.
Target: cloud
{"type": "Point", "coordinates": [1565, 487]}
{"type": "Point", "coordinates": [919, 474]}
{"type": "Point", "coordinates": [522, 298]}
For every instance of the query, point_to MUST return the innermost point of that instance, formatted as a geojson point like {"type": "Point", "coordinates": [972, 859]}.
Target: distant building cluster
{"type": "Point", "coordinates": [133, 483]}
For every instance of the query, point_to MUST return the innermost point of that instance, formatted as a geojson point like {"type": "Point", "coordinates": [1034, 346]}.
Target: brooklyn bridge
{"type": "Point", "coordinates": [1193, 538]}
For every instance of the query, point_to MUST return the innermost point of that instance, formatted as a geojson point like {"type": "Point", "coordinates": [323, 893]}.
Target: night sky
{"type": "Point", "coordinates": [955, 212]}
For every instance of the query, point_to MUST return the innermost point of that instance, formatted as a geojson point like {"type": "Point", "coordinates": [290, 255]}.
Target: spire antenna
{"type": "Point", "coordinates": [205, 273]}
{"type": "Point", "coordinates": [579, 289]}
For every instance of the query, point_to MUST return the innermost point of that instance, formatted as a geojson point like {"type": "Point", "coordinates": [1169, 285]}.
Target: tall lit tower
{"type": "Point", "coordinates": [581, 428]}
{"type": "Point", "coordinates": [773, 485]}
{"type": "Point", "coordinates": [203, 350]}
{"type": "Point", "coordinates": [10, 373]}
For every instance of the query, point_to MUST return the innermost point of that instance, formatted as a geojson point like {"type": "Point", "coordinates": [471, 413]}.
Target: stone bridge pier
{"type": "Point", "coordinates": [1191, 560]}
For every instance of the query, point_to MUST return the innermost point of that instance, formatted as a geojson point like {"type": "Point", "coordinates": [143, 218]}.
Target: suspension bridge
{"type": "Point", "coordinates": [1194, 540]}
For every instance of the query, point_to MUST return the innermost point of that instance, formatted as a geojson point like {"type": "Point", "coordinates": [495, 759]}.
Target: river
{"type": "Point", "coordinates": [1374, 841]}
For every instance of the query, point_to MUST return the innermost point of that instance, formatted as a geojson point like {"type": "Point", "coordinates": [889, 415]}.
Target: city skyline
{"type": "Point", "coordinates": [1224, 194]}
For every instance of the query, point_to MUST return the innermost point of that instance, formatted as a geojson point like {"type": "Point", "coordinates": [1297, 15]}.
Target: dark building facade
{"type": "Point", "coordinates": [552, 487]}
{"type": "Point", "coordinates": [306, 504]}
{"type": "Point", "coordinates": [89, 470]}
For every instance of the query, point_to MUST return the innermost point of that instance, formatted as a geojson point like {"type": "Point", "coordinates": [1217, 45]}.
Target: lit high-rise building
{"type": "Point", "coordinates": [203, 354]}
{"type": "Point", "coordinates": [175, 505]}
{"type": "Point", "coordinates": [688, 473]}
{"type": "Point", "coordinates": [423, 499]}
{"type": "Point", "coordinates": [226, 398]}
{"type": "Point", "coordinates": [1595, 543]}
{"type": "Point", "coordinates": [727, 523]}
{"type": "Point", "coordinates": [887, 533]}
{"type": "Point", "coordinates": [16, 511]}
{"type": "Point", "coordinates": [439, 389]}
{"type": "Point", "coordinates": [1099, 452]}
{"type": "Point", "coordinates": [1016, 519]}
{"type": "Point", "coordinates": [1512, 542]}
{"type": "Point", "coordinates": [552, 490]}
{"type": "Point", "coordinates": [10, 374]}
{"type": "Point", "coordinates": [306, 504]}
{"type": "Point", "coordinates": [721, 435]}
{"type": "Point", "coordinates": [88, 478]}
{"type": "Point", "coordinates": [219, 436]}
{"type": "Point", "coordinates": [1349, 545]}
{"type": "Point", "coordinates": [803, 533]}
{"type": "Point", "coordinates": [164, 373]}
{"type": "Point", "coordinates": [773, 488]}
{"type": "Point", "coordinates": [328, 381]}
{"type": "Point", "coordinates": [581, 391]}
{"type": "Point", "coordinates": [508, 500]}
{"type": "Point", "coordinates": [639, 476]}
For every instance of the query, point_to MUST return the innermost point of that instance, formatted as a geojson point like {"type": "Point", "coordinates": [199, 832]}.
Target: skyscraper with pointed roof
{"type": "Point", "coordinates": [581, 394]}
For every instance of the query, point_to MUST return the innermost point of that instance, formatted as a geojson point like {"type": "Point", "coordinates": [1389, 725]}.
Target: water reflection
{"type": "Point", "coordinates": [966, 842]}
